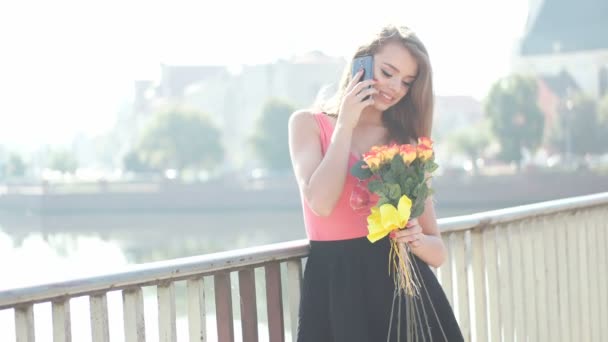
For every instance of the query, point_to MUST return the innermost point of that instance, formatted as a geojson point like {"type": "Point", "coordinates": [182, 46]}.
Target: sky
{"type": "Point", "coordinates": [67, 66]}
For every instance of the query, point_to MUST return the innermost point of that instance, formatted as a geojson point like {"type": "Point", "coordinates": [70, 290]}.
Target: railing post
{"type": "Point", "coordinates": [477, 274]}
{"type": "Point", "coordinates": [197, 325]}
{"type": "Point", "coordinates": [461, 264]}
{"type": "Point", "coordinates": [62, 329]}
{"type": "Point", "coordinates": [100, 329]}
{"type": "Point", "coordinates": [274, 300]}
{"type": "Point", "coordinates": [294, 279]}
{"type": "Point", "coordinates": [166, 312]}
{"type": "Point", "coordinates": [133, 313]}
{"type": "Point", "coordinates": [602, 242]}
{"type": "Point", "coordinates": [584, 283]}
{"type": "Point", "coordinates": [24, 323]}
{"type": "Point", "coordinates": [445, 271]}
{"type": "Point", "coordinates": [249, 315]}
{"type": "Point", "coordinates": [593, 259]}
{"type": "Point", "coordinates": [491, 260]}
{"type": "Point", "coordinates": [562, 251]}
{"type": "Point", "coordinates": [223, 307]}
{"type": "Point", "coordinates": [535, 251]}
{"type": "Point", "coordinates": [504, 275]}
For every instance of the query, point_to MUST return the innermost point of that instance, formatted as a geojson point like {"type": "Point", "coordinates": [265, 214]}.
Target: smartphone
{"type": "Point", "coordinates": [367, 64]}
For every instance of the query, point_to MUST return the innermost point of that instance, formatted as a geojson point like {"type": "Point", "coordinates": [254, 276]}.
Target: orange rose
{"type": "Point", "coordinates": [373, 159]}
{"type": "Point", "coordinates": [425, 141]}
{"type": "Point", "coordinates": [424, 152]}
{"type": "Point", "coordinates": [389, 152]}
{"type": "Point", "coordinates": [408, 153]}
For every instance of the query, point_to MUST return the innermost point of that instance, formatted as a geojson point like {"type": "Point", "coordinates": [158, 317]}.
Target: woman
{"type": "Point", "coordinates": [347, 293]}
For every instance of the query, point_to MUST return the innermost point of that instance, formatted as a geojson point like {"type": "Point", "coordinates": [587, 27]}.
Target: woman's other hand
{"type": "Point", "coordinates": [411, 235]}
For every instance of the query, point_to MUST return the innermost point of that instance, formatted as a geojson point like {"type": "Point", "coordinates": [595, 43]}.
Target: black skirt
{"type": "Point", "coordinates": [348, 295]}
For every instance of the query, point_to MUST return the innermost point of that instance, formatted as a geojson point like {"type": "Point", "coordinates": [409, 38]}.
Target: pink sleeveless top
{"type": "Point", "coordinates": [344, 222]}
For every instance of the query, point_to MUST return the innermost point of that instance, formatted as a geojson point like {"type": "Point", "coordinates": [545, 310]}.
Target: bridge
{"type": "Point", "coordinates": [530, 273]}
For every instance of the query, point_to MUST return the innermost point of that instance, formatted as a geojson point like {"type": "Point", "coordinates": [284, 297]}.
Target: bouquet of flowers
{"type": "Point", "coordinates": [397, 176]}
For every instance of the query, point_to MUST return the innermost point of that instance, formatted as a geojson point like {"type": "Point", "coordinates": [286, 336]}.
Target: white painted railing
{"type": "Point", "coordinates": [530, 273]}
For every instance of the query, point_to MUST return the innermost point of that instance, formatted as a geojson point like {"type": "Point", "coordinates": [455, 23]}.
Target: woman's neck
{"type": "Point", "coordinates": [370, 117]}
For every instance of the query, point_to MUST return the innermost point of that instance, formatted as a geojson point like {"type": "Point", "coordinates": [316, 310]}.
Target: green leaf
{"type": "Point", "coordinates": [360, 170]}
{"type": "Point", "coordinates": [423, 191]}
{"type": "Point", "coordinates": [393, 191]}
{"type": "Point", "coordinates": [383, 200]}
{"type": "Point", "coordinates": [390, 176]}
{"type": "Point", "coordinates": [397, 165]}
{"type": "Point", "coordinates": [430, 167]}
{"type": "Point", "coordinates": [376, 186]}
{"type": "Point", "coordinates": [408, 186]}
{"type": "Point", "coordinates": [418, 207]}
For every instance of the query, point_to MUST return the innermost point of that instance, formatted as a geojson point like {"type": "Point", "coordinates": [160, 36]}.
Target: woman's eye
{"type": "Point", "coordinates": [407, 84]}
{"type": "Point", "coordinates": [386, 73]}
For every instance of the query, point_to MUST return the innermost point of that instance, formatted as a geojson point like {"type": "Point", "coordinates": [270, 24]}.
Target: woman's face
{"type": "Point", "coordinates": [394, 70]}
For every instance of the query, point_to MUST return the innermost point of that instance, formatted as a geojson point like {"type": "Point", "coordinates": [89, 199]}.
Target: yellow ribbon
{"type": "Point", "coordinates": [387, 218]}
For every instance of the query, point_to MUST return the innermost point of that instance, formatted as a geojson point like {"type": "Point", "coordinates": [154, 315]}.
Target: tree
{"type": "Point", "coordinates": [579, 123]}
{"type": "Point", "coordinates": [270, 139]}
{"type": "Point", "coordinates": [64, 161]}
{"type": "Point", "coordinates": [132, 161]}
{"type": "Point", "coordinates": [15, 166]}
{"type": "Point", "coordinates": [516, 120]}
{"type": "Point", "coordinates": [471, 141]}
{"type": "Point", "coordinates": [602, 117]}
{"type": "Point", "coordinates": [180, 139]}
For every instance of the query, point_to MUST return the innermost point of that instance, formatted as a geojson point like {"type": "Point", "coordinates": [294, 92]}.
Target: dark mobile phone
{"type": "Point", "coordinates": [367, 64]}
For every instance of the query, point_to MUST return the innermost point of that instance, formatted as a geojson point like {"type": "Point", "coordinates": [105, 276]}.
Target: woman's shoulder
{"type": "Point", "coordinates": [304, 119]}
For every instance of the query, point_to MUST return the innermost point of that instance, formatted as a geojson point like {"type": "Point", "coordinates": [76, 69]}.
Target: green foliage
{"type": "Point", "coordinates": [270, 139]}
{"type": "Point", "coordinates": [15, 166]}
{"type": "Point", "coordinates": [471, 141]}
{"type": "Point", "coordinates": [579, 121]}
{"type": "Point", "coordinates": [360, 170]}
{"type": "Point", "coordinates": [602, 118]}
{"type": "Point", "coordinates": [516, 120]}
{"type": "Point", "coordinates": [132, 161]}
{"type": "Point", "coordinates": [177, 138]}
{"type": "Point", "coordinates": [63, 161]}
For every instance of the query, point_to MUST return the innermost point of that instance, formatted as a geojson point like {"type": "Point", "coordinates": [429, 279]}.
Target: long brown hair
{"type": "Point", "coordinates": [412, 117]}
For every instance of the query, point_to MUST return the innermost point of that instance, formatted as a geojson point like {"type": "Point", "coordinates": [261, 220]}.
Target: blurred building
{"type": "Point", "coordinates": [233, 99]}
{"type": "Point", "coordinates": [568, 37]}
{"type": "Point", "coordinates": [453, 113]}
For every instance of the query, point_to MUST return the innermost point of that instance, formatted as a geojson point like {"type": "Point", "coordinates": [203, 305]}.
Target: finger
{"type": "Point", "coordinates": [417, 229]}
{"type": "Point", "coordinates": [412, 222]}
{"type": "Point", "coordinates": [411, 231]}
{"type": "Point", "coordinates": [354, 80]}
{"type": "Point", "coordinates": [357, 88]}
{"type": "Point", "coordinates": [368, 102]}
{"type": "Point", "coordinates": [406, 239]}
{"type": "Point", "coordinates": [365, 92]}
{"type": "Point", "coordinates": [415, 243]}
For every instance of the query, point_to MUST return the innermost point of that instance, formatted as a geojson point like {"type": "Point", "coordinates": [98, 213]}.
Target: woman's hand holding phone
{"type": "Point", "coordinates": [355, 101]}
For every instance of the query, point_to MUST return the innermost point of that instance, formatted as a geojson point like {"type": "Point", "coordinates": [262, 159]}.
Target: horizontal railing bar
{"type": "Point", "coordinates": [183, 268]}
{"type": "Point", "coordinates": [155, 272]}
{"type": "Point", "coordinates": [494, 217]}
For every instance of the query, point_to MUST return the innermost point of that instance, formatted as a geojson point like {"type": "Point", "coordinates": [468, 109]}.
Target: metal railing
{"type": "Point", "coordinates": [530, 273]}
